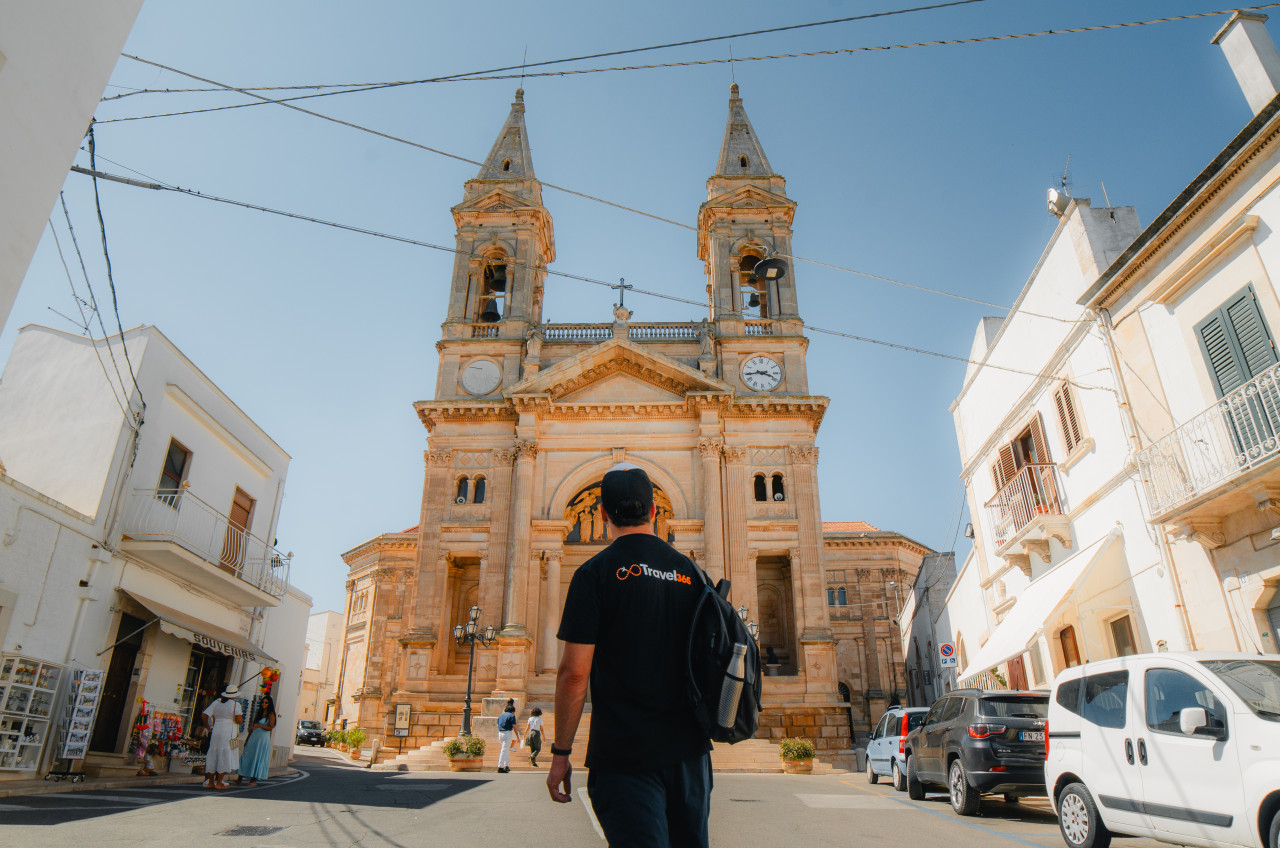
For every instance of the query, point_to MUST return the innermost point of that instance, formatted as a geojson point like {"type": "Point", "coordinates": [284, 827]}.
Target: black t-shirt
{"type": "Point", "coordinates": [634, 601]}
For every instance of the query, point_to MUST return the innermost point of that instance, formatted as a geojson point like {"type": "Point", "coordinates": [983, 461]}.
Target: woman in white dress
{"type": "Point", "coordinates": [223, 717]}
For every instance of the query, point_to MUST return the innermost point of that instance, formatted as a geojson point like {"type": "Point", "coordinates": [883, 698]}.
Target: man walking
{"type": "Point", "coordinates": [625, 628]}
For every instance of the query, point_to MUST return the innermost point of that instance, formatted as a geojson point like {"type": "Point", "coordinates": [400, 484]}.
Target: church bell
{"type": "Point", "coordinates": [754, 300]}
{"type": "Point", "coordinates": [490, 314]}
{"type": "Point", "coordinates": [498, 277]}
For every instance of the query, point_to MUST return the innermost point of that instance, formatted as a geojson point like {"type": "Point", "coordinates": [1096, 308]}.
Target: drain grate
{"type": "Point", "coordinates": [250, 830]}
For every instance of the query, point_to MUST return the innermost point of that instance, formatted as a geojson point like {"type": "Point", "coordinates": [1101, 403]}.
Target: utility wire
{"type": "Point", "coordinates": [261, 101]}
{"type": "Point", "coordinates": [406, 240]}
{"type": "Point", "coordinates": [106, 255]}
{"type": "Point", "coordinates": [485, 166]}
{"type": "Point", "coordinates": [523, 66]}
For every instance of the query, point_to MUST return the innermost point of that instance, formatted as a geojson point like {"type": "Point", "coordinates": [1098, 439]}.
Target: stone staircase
{"type": "Point", "coordinates": [108, 765]}
{"type": "Point", "coordinates": [751, 756]}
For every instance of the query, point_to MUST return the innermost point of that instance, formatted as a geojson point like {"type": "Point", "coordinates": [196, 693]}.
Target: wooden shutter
{"type": "Point", "coordinates": [1038, 440]}
{"type": "Point", "coordinates": [1006, 466]}
{"type": "Point", "coordinates": [1235, 342]}
{"type": "Point", "coordinates": [1067, 418]}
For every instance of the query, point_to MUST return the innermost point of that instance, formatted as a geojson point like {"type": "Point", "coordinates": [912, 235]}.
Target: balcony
{"type": "Point", "coordinates": [1191, 469]}
{"type": "Point", "coordinates": [191, 540]}
{"type": "Point", "coordinates": [1028, 511]}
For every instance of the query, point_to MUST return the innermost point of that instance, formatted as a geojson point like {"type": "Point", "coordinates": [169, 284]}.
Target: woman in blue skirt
{"type": "Point", "coordinates": [255, 759]}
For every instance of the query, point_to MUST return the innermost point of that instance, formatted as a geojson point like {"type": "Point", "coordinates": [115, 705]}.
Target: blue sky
{"type": "Point", "coordinates": [927, 165]}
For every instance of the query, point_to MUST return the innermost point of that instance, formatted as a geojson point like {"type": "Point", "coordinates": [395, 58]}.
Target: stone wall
{"type": "Point", "coordinates": [826, 727]}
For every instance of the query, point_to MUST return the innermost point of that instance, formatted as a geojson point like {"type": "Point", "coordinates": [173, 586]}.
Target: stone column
{"type": "Point", "coordinates": [736, 530]}
{"type": "Point", "coordinates": [513, 623]}
{"type": "Point", "coordinates": [493, 569]}
{"type": "Point", "coordinates": [809, 580]}
{"type": "Point", "coordinates": [443, 626]}
{"type": "Point", "coordinates": [419, 641]}
{"type": "Point", "coordinates": [551, 610]}
{"type": "Point", "coordinates": [712, 509]}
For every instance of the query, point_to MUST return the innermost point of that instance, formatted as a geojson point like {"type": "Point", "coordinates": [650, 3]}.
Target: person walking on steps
{"type": "Point", "coordinates": [506, 731]}
{"type": "Point", "coordinates": [626, 615]}
{"type": "Point", "coordinates": [255, 760]}
{"type": "Point", "coordinates": [533, 735]}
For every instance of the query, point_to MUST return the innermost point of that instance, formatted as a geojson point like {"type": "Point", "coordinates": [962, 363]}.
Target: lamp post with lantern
{"type": "Point", "coordinates": [465, 634]}
{"type": "Point", "coordinates": [752, 627]}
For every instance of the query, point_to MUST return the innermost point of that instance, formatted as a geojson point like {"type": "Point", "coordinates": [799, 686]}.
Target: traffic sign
{"type": "Point", "coordinates": [947, 655]}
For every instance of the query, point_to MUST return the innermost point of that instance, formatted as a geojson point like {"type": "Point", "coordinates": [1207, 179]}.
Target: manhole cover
{"type": "Point", "coordinates": [250, 830]}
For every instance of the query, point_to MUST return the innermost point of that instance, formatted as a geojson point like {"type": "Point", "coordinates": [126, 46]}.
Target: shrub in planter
{"type": "Point", "coordinates": [797, 755]}
{"type": "Point", "coordinates": [465, 753]}
{"type": "Point", "coordinates": [355, 738]}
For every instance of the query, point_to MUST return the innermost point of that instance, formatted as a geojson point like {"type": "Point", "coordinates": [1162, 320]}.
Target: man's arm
{"type": "Point", "coordinates": [571, 692]}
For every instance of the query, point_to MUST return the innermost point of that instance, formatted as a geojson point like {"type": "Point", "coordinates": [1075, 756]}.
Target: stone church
{"type": "Point", "coordinates": [529, 414]}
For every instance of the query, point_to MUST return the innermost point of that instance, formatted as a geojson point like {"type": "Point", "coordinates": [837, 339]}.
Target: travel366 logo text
{"type": "Point", "coordinates": [638, 569]}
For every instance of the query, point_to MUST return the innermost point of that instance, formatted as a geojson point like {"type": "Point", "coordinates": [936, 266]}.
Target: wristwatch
{"type": "Point", "coordinates": [560, 752]}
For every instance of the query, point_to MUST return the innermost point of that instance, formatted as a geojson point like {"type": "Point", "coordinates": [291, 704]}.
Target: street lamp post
{"type": "Point", "coordinates": [465, 634]}
{"type": "Point", "coordinates": [752, 627]}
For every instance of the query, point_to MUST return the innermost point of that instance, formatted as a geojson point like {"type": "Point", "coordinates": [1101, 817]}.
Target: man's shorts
{"type": "Point", "coordinates": [662, 808]}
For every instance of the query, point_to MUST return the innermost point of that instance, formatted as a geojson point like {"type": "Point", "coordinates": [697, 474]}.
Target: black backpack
{"type": "Point", "coordinates": [712, 635]}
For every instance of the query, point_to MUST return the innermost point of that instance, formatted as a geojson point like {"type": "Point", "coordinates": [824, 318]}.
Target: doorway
{"type": "Point", "coordinates": [206, 677]}
{"type": "Point", "coordinates": [115, 691]}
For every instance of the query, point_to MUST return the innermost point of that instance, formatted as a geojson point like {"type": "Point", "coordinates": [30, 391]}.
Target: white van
{"type": "Point", "coordinates": [1179, 747]}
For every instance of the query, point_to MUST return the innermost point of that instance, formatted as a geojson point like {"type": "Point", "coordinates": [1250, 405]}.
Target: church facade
{"type": "Point", "coordinates": [529, 414]}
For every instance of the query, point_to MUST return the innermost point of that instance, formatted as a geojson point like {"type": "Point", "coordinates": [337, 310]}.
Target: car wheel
{"type": "Point", "coordinates": [872, 777]}
{"type": "Point", "coordinates": [899, 779]}
{"type": "Point", "coordinates": [965, 800]}
{"type": "Point", "coordinates": [1079, 821]}
{"type": "Point", "coordinates": [915, 789]}
{"type": "Point", "coordinates": [1273, 841]}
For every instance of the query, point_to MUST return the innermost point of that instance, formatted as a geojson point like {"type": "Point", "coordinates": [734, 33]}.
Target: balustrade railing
{"type": "Point", "coordinates": [1031, 492]}
{"type": "Point", "coordinates": [662, 332]}
{"type": "Point", "coordinates": [576, 332]}
{"type": "Point", "coordinates": [484, 331]}
{"type": "Point", "coordinates": [758, 328]}
{"type": "Point", "coordinates": [180, 518]}
{"type": "Point", "coordinates": [1235, 435]}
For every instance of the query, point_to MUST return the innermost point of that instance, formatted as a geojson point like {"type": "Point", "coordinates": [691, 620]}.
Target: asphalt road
{"type": "Point", "coordinates": [332, 803]}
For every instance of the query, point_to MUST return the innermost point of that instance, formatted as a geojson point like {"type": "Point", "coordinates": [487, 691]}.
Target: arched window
{"type": "Point", "coordinates": [493, 291]}
{"type": "Point", "coordinates": [742, 160]}
{"type": "Point", "coordinates": [779, 494]}
{"type": "Point", "coordinates": [461, 496]}
{"type": "Point", "coordinates": [506, 164]}
{"type": "Point", "coordinates": [842, 598]}
{"type": "Point", "coordinates": [761, 494]}
{"type": "Point", "coordinates": [479, 497]}
{"type": "Point", "coordinates": [831, 596]}
{"type": "Point", "coordinates": [755, 296]}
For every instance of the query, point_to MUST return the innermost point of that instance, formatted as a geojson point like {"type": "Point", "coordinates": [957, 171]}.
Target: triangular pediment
{"type": "Point", "coordinates": [495, 200]}
{"type": "Point", "coordinates": [618, 371]}
{"type": "Point", "coordinates": [749, 196]}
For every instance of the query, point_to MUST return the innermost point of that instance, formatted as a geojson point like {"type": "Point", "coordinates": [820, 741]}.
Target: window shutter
{"type": "Point", "coordinates": [1037, 439]}
{"type": "Point", "coordinates": [1066, 406]}
{"type": "Point", "coordinates": [1235, 342]}
{"type": "Point", "coordinates": [1005, 467]}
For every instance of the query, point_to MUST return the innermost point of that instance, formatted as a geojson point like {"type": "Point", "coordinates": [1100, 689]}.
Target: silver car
{"type": "Point", "coordinates": [885, 747]}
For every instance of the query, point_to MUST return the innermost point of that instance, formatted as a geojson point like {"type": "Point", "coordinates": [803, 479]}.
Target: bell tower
{"type": "Point", "coordinates": [505, 239]}
{"type": "Point", "coordinates": [744, 223]}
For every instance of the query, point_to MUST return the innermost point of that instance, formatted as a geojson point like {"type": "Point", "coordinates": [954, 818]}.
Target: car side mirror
{"type": "Point", "coordinates": [1192, 719]}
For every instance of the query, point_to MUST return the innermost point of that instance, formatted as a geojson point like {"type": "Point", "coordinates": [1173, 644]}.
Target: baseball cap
{"type": "Point", "coordinates": [626, 493]}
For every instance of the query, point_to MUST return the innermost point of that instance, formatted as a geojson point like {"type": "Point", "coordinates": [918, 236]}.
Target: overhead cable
{"type": "Point", "coordinates": [419, 243]}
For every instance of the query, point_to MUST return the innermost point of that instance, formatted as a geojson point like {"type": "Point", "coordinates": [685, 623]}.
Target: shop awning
{"type": "Point", "coordinates": [202, 633]}
{"type": "Point", "coordinates": [1035, 605]}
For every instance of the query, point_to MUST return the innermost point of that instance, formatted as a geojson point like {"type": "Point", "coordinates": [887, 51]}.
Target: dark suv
{"type": "Point", "coordinates": [309, 733]}
{"type": "Point", "coordinates": [977, 742]}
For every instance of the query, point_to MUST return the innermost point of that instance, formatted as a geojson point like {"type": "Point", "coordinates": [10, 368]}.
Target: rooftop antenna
{"type": "Point", "coordinates": [1060, 196]}
{"type": "Point", "coordinates": [1107, 200]}
{"type": "Point", "coordinates": [523, 64]}
{"type": "Point", "coordinates": [732, 77]}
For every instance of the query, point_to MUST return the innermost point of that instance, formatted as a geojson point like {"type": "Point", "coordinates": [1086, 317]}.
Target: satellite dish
{"type": "Point", "coordinates": [769, 269]}
{"type": "Point", "coordinates": [1058, 201]}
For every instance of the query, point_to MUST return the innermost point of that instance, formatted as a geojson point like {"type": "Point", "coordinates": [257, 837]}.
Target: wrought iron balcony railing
{"type": "Point", "coordinates": [1030, 493]}
{"type": "Point", "coordinates": [180, 518]}
{"type": "Point", "coordinates": [1234, 436]}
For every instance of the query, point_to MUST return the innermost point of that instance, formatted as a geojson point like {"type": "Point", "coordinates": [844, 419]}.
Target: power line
{"type": "Point", "coordinates": [406, 240]}
{"type": "Point", "coordinates": [523, 66]}
{"type": "Point", "coordinates": [353, 89]}
{"type": "Point", "coordinates": [564, 189]}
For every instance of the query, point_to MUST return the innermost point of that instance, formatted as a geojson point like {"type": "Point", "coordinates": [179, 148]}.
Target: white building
{"type": "Point", "coordinates": [918, 626]}
{"type": "Point", "coordinates": [55, 59]}
{"type": "Point", "coordinates": [324, 659]}
{"type": "Point", "coordinates": [1195, 313]}
{"type": "Point", "coordinates": [138, 540]}
{"type": "Point", "coordinates": [1065, 567]}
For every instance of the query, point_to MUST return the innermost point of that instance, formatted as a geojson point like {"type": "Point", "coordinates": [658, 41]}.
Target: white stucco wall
{"type": "Point", "coordinates": [55, 59]}
{"type": "Point", "coordinates": [285, 638]}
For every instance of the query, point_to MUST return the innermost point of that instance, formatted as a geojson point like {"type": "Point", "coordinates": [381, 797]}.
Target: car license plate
{"type": "Point", "coordinates": [1031, 735]}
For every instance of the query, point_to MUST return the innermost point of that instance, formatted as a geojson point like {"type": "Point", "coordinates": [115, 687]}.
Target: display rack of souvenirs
{"type": "Point", "coordinates": [28, 689]}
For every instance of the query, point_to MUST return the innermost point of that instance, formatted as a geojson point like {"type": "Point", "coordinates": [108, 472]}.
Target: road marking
{"type": "Point", "coordinates": [586, 802]}
{"type": "Point", "coordinates": [919, 805]}
{"type": "Point", "coordinates": [846, 802]}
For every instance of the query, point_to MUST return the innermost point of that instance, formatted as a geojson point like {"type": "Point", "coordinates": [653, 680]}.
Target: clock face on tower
{"type": "Point", "coordinates": [761, 374]}
{"type": "Point", "coordinates": [480, 376]}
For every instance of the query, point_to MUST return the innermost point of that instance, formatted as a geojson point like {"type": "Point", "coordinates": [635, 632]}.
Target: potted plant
{"type": "Point", "coordinates": [355, 738]}
{"type": "Point", "coordinates": [797, 755]}
{"type": "Point", "coordinates": [465, 753]}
